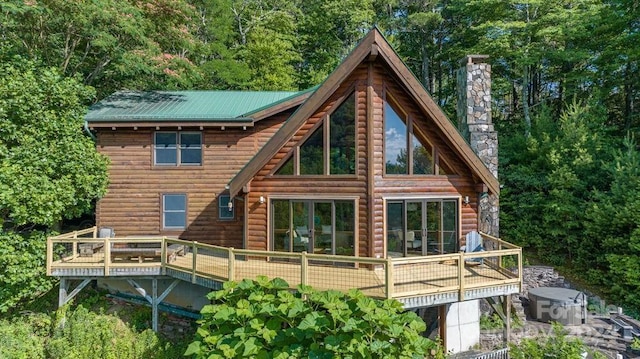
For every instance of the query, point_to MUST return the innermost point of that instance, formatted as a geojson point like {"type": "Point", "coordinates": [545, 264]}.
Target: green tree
{"type": "Point", "coordinates": [268, 42]}
{"type": "Point", "coordinates": [550, 177]}
{"type": "Point", "coordinates": [264, 319]}
{"type": "Point", "coordinates": [328, 31]}
{"type": "Point", "coordinates": [49, 170]}
{"type": "Point", "coordinates": [218, 46]}
{"type": "Point", "coordinates": [110, 44]}
{"type": "Point", "coordinates": [614, 219]}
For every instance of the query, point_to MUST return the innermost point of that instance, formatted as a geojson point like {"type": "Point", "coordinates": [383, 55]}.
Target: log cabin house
{"type": "Point", "coordinates": [361, 175]}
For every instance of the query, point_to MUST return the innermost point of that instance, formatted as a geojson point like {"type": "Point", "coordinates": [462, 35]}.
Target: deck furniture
{"type": "Point", "coordinates": [140, 252]}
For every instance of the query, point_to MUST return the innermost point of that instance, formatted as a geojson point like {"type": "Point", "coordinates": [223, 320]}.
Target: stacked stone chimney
{"type": "Point", "coordinates": [475, 125]}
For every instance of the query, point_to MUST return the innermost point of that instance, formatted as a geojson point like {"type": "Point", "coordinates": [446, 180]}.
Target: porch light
{"type": "Point", "coordinates": [261, 199]}
{"type": "Point", "coordinates": [230, 205]}
{"type": "Point", "coordinates": [465, 200]}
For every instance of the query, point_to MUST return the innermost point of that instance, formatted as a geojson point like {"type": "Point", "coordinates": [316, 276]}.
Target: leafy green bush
{"type": "Point", "coordinates": [264, 319]}
{"type": "Point", "coordinates": [495, 321]}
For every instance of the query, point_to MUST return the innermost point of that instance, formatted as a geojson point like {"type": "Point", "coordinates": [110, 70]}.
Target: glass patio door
{"type": "Point", "coordinates": [421, 227]}
{"type": "Point", "coordinates": [314, 226]}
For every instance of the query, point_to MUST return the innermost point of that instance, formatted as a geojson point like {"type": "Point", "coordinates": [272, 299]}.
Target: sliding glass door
{"type": "Point", "coordinates": [314, 226]}
{"type": "Point", "coordinates": [418, 227]}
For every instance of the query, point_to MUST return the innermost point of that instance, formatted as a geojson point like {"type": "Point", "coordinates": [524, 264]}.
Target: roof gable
{"type": "Point", "coordinates": [372, 45]}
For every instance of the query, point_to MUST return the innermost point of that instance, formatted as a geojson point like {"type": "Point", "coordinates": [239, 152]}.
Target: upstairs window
{"type": "Point", "coordinates": [178, 148]}
{"type": "Point", "coordinates": [330, 149]}
{"type": "Point", "coordinates": [405, 153]}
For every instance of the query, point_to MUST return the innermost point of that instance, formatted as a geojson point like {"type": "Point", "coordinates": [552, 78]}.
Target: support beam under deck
{"type": "Point", "coordinates": [64, 296]}
{"type": "Point", "coordinates": [153, 299]}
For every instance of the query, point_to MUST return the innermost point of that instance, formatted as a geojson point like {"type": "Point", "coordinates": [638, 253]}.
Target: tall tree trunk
{"type": "Point", "coordinates": [628, 97]}
{"type": "Point", "coordinates": [525, 102]}
{"type": "Point", "coordinates": [424, 66]}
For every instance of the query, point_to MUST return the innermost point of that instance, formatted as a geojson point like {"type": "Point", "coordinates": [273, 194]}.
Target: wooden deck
{"type": "Point", "coordinates": [415, 281]}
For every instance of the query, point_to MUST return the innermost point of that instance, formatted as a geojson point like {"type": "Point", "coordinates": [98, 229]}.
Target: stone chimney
{"type": "Point", "coordinates": [475, 125]}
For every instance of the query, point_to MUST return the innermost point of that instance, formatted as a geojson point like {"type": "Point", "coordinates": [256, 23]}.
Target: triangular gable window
{"type": "Point", "coordinates": [286, 168]}
{"type": "Point", "coordinates": [330, 149]}
{"type": "Point", "coordinates": [407, 152]}
{"type": "Point", "coordinates": [311, 154]}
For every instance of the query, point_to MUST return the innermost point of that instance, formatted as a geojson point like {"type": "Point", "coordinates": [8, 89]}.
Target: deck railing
{"type": "Point", "coordinates": [377, 277]}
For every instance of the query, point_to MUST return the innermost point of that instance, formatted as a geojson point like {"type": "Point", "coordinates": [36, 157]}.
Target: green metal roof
{"type": "Point", "coordinates": [158, 106]}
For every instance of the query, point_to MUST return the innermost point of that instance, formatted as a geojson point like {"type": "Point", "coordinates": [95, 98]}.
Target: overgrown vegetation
{"type": "Point", "coordinates": [79, 333]}
{"type": "Point", "coordinates": [554, 345]}
{"type": "Point", "coordinates": [264, 319]}
{"type": "Point", "coordinates": [91, 326]}
{"type": "Point", "coordinates": [494, 321]}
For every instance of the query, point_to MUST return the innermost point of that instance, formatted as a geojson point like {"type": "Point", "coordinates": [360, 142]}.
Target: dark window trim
{"type": "Point", "coordinates": [225, 209]}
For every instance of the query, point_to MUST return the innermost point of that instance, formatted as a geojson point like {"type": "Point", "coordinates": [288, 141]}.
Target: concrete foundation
{"type": "Point", "coordinates": [463, 326]}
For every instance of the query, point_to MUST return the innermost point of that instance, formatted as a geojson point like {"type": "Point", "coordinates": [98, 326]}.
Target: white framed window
{"type": "Point", "coordinates": [226, 208]}
{"type": "Point", "coordinates": [177, 148]}
{"type": "Point", "coordinates": [174, 211]}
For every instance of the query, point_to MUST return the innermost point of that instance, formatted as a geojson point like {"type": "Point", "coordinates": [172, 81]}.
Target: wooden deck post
{"type": "Point", "coordinates": [304, 268]}
{"type": "Point", "coordinates": [507, 320]}
{"type": "Point", "coordinates": [163, 255]}
{"type": "Point", "coordinates": [442, 324]}
{"type": "Point", "coordinates": [194, 252]}
{"type": "Point", "coordinates": [389, 278]}
{"type": "Point", "coordinates": [461, 277]}
{"type": "Point", "coordinates": [74, 245]}
{"type": "Point", "coordinates": [107, 255]}
{"type": "Point", "coordinates": [232, 264]}
{"type": "Point", "coordinates": [520, 268]}
{"type": "Point", "coordinates": [49, 255]}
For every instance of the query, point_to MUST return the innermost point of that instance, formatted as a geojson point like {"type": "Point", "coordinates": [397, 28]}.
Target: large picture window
{"type": "Point", "coordinates": [174, 211]}
{"type": "Point", "coordinates": [330, 149]}
{"type": "Point", "coordinates": [177, 148]}
{"type": "Point", "coordinates": [315, 226]}
{"type": "Point", "coordinates": [405, 154]}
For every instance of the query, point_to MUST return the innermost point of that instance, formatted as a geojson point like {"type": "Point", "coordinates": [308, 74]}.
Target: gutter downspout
{"type": "Point", "coordinates": [88, 131]}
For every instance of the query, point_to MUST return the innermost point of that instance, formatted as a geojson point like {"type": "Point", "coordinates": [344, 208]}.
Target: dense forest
{"type": "Point", "coordinates": [566, 87]}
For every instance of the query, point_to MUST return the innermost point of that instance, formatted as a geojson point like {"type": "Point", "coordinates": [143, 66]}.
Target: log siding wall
{"type": "Point", "coordinates": [132, 205]}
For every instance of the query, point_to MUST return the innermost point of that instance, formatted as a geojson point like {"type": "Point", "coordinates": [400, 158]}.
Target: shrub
{"type": "Point", "coordinates": [80, 334]}
{"type": "Point", "coordinates": [264, 319]}
{"type": "Point", "coordinates": [556, 345]}
{"type": "Point", "coordinates": [22, 339]}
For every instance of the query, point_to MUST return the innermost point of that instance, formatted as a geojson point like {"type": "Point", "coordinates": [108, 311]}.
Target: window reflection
{"type": "Point", "coordinates": [395, 144]}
